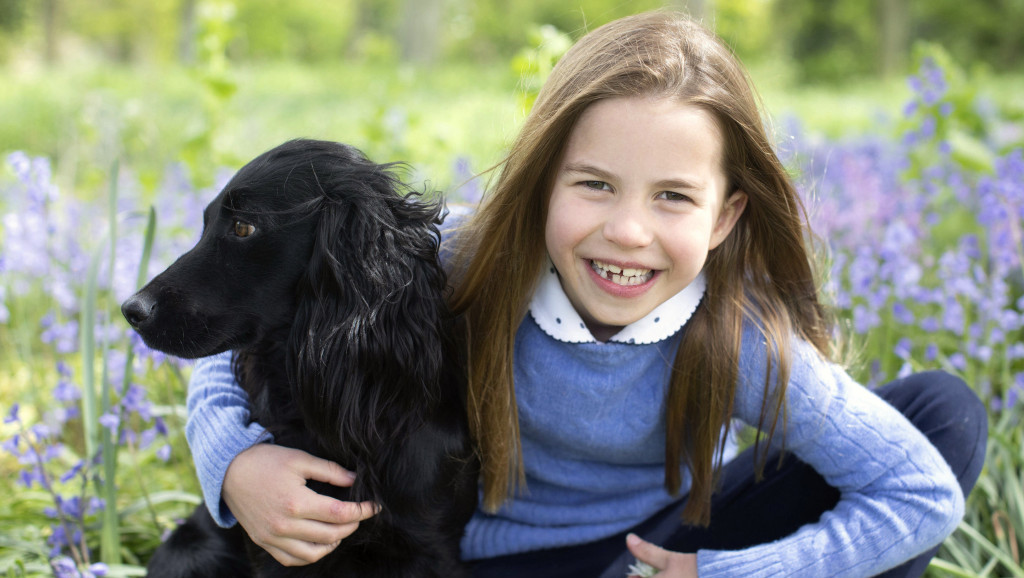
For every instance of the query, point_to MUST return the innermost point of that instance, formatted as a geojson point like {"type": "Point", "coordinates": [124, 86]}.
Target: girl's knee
{"type": "Point", "coordinates": [937, 395]}
{"type": "Point", "coordinates": [950, 414]}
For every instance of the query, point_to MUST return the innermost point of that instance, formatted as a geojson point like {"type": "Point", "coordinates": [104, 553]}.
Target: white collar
{"type": "Point", "coordinates": [551, 309]}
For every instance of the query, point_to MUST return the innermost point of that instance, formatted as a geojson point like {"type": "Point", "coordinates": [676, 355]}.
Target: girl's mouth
{"type": "Point", "coordinates": [620, 276]}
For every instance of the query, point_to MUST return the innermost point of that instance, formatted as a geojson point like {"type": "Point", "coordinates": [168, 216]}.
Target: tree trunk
{"type": "Point", "coordinates": [420, 31]}
{"type": "Point", "coordinates": [187, 32]}
{"type": "Point", "coordinates": [50, 8]}
{"type": "Point", "coordinates": [895, 17]}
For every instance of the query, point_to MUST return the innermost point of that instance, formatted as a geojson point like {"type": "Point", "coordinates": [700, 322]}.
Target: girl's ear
{"type": "Point", "coordinates": [731, 211]}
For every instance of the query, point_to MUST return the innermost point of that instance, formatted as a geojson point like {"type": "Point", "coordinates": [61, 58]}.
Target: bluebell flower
{"type": "Point", "coordinates": [864, 319]}
{"type": "Point", "coordinates": [927, 128]}
{"type": "Point", "coordinates": [1015, 351]}
{"type": "Point", "coordinates": [65, 391]}
{"type": "Point", "coordinates": [903, 348]}
{"type": "Point", "coordinates": [135, 401]}
{"type": "Point", "coordinates": [29, 476]}
{"type": "Point", "coordinates": [958, 361]}
{"type": "Point", "coordinates": [12, 414]}
{"type": "Point", "coordinates": [146, 438]}
{"type": "Point", "coordinates": [64, 567]}
{"type": "Point", "coordinates": [12, 445]}
{"type": "Point", "coordinates": [1011, 396]}
{"type": "Point", "coordinates": [110, 421]}
{"type": "Point", "coordinates": [905, 370]}
{"type": "Point", "coordinates": [953, 316]}
{"type": "Point", "coordinates": [164, 453]}
{"type": "Point", "coordinates": [73, 472]}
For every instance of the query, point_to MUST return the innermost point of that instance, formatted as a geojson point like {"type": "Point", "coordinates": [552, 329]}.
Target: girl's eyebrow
{"type": "Point", "coordinates": [586, 169]}
{"type": "Point", "coordinates": [673, 183]}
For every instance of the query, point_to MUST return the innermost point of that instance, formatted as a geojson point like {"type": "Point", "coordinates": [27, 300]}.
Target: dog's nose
{"type": "Point", "coordinates": [138, 309]}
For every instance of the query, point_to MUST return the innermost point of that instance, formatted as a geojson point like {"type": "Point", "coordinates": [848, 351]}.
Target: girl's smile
{"type": "Point", "coordinates": [627, 277]}
{"type": "Point", "coordinates": [638, 202]}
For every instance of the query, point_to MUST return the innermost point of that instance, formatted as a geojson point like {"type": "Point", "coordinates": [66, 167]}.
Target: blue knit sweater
{"type": "Point", "coordinates": [593, 435]}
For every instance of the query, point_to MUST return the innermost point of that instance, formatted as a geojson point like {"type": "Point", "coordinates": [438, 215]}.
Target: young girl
{"type": "Point", "coordinates": [638, 278]}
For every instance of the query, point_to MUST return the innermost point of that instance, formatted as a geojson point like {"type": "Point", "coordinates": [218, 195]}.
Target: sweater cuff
{"type": "Point", "coordinates": [212, 461]}
{"type": "Point", "coordinates": [218, 428]}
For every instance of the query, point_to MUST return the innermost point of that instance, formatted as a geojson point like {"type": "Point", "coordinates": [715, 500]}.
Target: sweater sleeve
{"type": "Point", "coordinates": [898, 496]}
{"type": "Point", "coordinates": [218, 428]}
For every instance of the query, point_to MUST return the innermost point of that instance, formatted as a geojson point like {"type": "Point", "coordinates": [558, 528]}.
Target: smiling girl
{"type": "Point", "coordinates": [638, 278]}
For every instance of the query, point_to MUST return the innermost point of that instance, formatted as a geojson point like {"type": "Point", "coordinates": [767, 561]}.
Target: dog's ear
{"type": "Point", "coordinates": [368, 338]}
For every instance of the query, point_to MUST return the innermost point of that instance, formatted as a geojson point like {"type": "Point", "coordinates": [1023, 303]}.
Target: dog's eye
{"type": "Point", "coordinates": [243, 229]}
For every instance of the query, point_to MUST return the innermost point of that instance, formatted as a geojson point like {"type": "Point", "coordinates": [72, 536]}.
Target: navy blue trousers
{"type": "Point", "coordinates": [745, 513]}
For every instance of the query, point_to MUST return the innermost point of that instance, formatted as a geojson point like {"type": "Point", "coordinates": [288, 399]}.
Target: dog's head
{"type": "Point", "coordinates": [299, 213]}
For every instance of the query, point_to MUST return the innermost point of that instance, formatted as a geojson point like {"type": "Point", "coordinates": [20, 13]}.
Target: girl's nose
{"type": "Point", "coordinates": [629, 227]}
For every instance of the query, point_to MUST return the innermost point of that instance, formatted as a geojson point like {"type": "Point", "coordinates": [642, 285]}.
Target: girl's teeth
{"type": "Point", "coordinates": [621, 276]}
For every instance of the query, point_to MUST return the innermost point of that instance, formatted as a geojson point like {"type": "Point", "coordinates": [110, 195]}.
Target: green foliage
{"type": "Point", "coordinates": [533, 64]}
{"type": "Point", "coordinates": [831, 40]}
{"type": "Point", "coordinates": [309, 30]}
{"type": "Point", "coordinates": [12, 15]}
{"type": "Point", "coordinates": [747, 27]}
{"type": "Point", "coordinates": [982, 33]}
{"type": "Point", "coordinates": [990, 539]}
{"type": "Point", "coordinates": [123, 30]}
{"type": "Point", "coordinates": [201, 152]}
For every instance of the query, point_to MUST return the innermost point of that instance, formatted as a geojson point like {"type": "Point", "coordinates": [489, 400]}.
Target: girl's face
{"type": "Point", "coordinates": [637, 204]}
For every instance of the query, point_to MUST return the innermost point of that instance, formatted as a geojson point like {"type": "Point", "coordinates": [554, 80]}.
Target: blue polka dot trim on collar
{"type": "Point", "coordinates": [554, 313]}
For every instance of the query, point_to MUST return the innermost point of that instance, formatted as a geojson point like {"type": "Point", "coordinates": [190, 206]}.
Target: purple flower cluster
{"type": "Point", "coordinates": [47, 242]}
{"type": "Point", "coordinates": [926, 250]}
{"type": "Point", "coordinates": [50, 464]}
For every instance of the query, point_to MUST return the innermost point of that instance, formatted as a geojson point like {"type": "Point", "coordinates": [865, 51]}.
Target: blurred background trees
{"type": "Point", "coordinates": [828, 41]}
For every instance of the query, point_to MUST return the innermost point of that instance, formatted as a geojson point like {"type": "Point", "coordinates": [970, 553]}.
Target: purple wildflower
{"type": "Point", "coordinates": [64, 566]}
{"type": "Point", "coordinates": [12, 415]}
{"type": "Point", "coordinates": [110, 421]}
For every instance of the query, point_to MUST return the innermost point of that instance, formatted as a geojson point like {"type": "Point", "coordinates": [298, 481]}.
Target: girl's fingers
{"type": "Point", "coordinates": [313, 468]}
{"type": "Point", "coordinates": [331, 511]}
{"type": "Point", "coordinates": [297, 553]}
{"type": "Point", "coordinates": [316, 533]}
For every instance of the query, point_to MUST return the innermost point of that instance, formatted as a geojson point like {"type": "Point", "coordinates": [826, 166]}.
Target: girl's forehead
{"type": "Point", "coordinates": [647, 140]}
{"type": "Point", "coordinates": [648, 111]}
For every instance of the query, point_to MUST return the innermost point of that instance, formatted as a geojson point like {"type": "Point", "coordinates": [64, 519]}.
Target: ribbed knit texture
{"type": "Point", "coordinates": [218, 428]}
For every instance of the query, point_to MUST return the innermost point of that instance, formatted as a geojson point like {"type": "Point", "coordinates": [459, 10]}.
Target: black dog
{"type": "Point", "coordinates": [321, 272]}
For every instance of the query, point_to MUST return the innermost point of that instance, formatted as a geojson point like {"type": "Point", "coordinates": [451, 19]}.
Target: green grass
{"type": "Point", "coordinates": [82, 119]}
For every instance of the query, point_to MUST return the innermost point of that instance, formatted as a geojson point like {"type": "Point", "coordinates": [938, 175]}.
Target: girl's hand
{"type": "Point", "coordinates": [265, 488]}
{"type": "Point", "coordinates": [668, 564]}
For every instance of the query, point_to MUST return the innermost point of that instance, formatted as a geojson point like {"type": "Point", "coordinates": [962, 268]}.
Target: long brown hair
{"type": "Point", "coordinates": [762, 271]}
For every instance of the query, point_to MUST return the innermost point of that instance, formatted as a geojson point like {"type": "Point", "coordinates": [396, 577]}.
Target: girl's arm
{"type": "Point", "coordinates": [218, 428]}
{"type": "Point", "coordinates": [898, 495]}
{"type": "Point", "coordinates": [280, 513]}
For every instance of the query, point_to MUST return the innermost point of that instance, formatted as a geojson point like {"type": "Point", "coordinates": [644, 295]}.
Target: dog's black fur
{"type": "Point", "coordinates": [334, 303]}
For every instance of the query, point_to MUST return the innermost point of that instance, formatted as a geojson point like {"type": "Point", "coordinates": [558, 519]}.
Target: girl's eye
{"type": "Point", "coordinates": [673, 196]}
{"type": "Point", "coordinates": [596, 185]}
{"type": "Point", "coordinates": [243, 229]}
